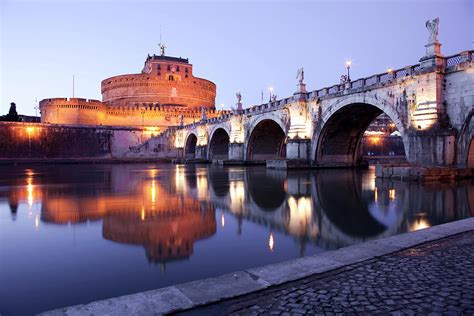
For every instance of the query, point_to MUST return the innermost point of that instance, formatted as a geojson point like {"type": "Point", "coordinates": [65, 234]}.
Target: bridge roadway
{"type": "Point", "coordinates": [431, 104]}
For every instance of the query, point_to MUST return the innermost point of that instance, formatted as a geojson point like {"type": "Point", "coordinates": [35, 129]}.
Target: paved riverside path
{"type": "Point", "coordinates": [434, 277]}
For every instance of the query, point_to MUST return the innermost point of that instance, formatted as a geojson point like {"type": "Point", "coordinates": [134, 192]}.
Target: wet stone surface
{"type": "Point", "coordinates": [436, 277]}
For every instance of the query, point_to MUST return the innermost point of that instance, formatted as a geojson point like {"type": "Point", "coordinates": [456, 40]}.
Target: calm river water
{"type": "Point", "coordinates": [77, 233]}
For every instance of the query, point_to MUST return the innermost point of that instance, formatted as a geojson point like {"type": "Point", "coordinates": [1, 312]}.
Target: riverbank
{"type": "Point", "coordinates": [69, 161]}
{"type": "Point", "coordinates": [194, 294]}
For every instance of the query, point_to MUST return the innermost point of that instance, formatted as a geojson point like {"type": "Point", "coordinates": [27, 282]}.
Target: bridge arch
{"type": "Point", "coordinates": [190, 146]}
{"type": "Point", "coordinates": [266, 139]}
{"type": "Point", "coordinates": [337, 140]}
{"type": "Point", "coordinates": [219, 140]}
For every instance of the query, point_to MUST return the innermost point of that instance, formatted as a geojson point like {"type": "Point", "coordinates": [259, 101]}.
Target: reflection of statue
{"type": "Point", "coordinates": [300, 75]}
{"type": "Point", "coordinates": [432, 27]}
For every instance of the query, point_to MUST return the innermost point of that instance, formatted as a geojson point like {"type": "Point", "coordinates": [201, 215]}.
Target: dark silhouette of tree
{"type": "Point", "coordinates": [12, 115]}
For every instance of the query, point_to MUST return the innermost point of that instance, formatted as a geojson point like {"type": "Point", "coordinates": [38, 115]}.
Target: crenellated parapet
{"type": "Point", "coordinates": [75, 111]}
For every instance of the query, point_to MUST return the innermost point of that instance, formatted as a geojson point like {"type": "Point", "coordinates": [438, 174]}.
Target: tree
{"type": "Point", "coordinates": [12, 115]}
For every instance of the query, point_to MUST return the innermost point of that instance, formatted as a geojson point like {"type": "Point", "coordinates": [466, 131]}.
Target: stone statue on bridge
{"type": "Point", "coordinates": [239, 97]}
{"type": "Point", "coordinates": [300, 75]}
{"type": "Point", "coordinates": [432, 26]}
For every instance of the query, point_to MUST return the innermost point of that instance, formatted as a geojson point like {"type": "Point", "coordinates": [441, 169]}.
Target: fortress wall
{"type": "Point", "coordinates": [72, 111]}
{"type": "Point", "coordinates": [37, 140]}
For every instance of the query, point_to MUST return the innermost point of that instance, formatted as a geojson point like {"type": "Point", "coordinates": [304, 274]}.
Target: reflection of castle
{"type": "Point", "coordinates": [166, 224]}
{"type": "Point", "coordinates": [165, 236]}
{"type": "Point", "coordinates": [157, 97]}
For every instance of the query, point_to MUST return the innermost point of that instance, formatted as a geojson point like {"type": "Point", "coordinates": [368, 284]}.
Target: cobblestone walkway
{"type": "Point", "coordinates": [436, 277]}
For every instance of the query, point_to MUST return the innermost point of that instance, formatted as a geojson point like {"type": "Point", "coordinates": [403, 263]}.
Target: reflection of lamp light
{"type": "Point", "coordinates": [420, 223]}
{"type": "Point", "coordinates": [376, 195]}
{"type": "Point", "coordinates": [37, 221]}
{"type": "Point", "coordinates": [391, 194]}
{"type": "Point", "coordinates": [271, 242]}
{"type": "Point", "coordinates": [153, 191]}
{"type": "Point", "coordinates": [301, 213]}
{"type": "Point", "coordinates": [222, 220]}
{"type": "Point", "coordinates": [142, 215]}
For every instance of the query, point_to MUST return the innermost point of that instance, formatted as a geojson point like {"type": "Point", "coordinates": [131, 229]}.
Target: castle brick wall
{"type": "Point", "coordinates": [35, 140]}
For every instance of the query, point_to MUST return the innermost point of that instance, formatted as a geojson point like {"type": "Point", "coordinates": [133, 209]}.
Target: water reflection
{"type": "Point", "coordinates": [224, 219]}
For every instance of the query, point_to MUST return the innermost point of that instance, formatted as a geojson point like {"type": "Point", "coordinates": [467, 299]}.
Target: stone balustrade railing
{"type": "Point", "coordinates": [362, 83]}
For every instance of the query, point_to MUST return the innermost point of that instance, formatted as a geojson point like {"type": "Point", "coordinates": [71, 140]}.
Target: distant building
{"type": "Point", "coordinates": [163, 94]}
{"type": "Point", "coordinates": [382, 138]}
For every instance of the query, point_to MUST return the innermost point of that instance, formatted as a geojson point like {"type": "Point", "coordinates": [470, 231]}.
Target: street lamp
{"type": "Point", "coordinates": [348, 66]}
{"type": "Point", "coordinates": [270, 89]}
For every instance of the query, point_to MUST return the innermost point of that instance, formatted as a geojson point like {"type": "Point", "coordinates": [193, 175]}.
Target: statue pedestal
{"type": "Point", "coordinates": [433, 49]}
{"type": "Point", "coordinates": [433, 57]}
{"type": "Point", "coordinates": [301, 88]}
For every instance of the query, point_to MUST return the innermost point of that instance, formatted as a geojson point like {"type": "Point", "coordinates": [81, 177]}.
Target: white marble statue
{"type": "Point", "coordinates": [432, 26]}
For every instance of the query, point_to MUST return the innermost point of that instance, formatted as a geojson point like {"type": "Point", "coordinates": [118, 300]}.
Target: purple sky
{"type": "Point", "coordinates": [241, 46]}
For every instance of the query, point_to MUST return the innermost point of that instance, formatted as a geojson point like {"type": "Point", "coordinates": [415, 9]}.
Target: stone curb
{"type": "Point", "coordinates": [211, 290]}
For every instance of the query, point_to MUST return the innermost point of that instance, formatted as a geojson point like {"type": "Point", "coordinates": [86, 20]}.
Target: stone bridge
{"type": "Point", "coordinates": [431, 104]}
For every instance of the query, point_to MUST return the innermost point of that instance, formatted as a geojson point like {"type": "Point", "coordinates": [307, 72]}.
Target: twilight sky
{"type": "Point", "coordinates": [241, 46]}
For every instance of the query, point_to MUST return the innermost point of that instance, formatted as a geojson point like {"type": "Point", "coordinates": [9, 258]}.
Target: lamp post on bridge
{"type": "Point", "coordinates": [348, 66]}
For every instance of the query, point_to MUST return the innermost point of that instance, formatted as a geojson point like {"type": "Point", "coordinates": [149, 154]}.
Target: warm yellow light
{"type": "Point", "coordinates": [153, 191]}
{"type": "Point", "coordinates": [390, 70]}
{"type": "Point", "coordinates": [142, 214]}
{"type": "Point", "coordinates": [271, 242]}
{"type": "Point", "coordinates": [420, 223]}
{"type": "Point", "coordinates": [348, 63]}
{"type": "Point", "coordinates": [391, 194]}
{"type": "Point", "coordinates": [375, 139]}
{"type": "Point", "coordinates": [376, 195]}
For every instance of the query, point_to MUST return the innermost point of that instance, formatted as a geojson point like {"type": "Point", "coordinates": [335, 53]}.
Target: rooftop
{"type": "Point", "coordinates": [168, 58]}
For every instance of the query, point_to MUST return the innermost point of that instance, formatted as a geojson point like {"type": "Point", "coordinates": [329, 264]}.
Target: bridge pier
{"type": "Point", "coordinates": [201, 152]}
{"type": "Point", "coordinates": [298, 148]}
{"type": "Point", "coordinates": [236, 151]}
{"type": "Point", "coordinates": [432, 148]}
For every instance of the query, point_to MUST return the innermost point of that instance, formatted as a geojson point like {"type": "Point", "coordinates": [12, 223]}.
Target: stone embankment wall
{"type": "Point", "coordinates": [33, 140]}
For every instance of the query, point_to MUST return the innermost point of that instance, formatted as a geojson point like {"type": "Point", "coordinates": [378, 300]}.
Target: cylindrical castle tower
{"type": "Point", "coordinates": [164, 81]}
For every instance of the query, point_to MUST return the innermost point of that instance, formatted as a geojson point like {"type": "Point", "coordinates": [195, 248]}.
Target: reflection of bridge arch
{"type": "Point", "coordinates": [190, 146]}
{"type": "Point", "coordinates": [267, 191]}
{"type": "Point", "coordinates": [266, 139]}
{"type": "Point", "coordinates": [219, 179]}
{"type": "Point", "coordinates": [219, 143]}
{"type": "Point", "coordinates": [350, 214]}
{"type": "Point", "coordinates": [342, 127]}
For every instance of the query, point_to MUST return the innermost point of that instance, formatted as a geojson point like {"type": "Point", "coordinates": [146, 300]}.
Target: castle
{"type": "Point", "coordinates": [165, 93]}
